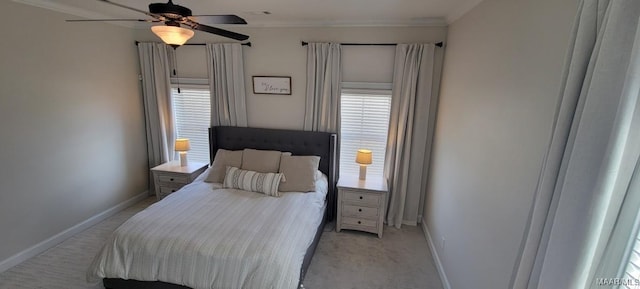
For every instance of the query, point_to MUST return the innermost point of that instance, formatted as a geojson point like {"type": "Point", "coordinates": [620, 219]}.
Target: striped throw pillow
{"type": "Point", "coordinates": [266, 183]}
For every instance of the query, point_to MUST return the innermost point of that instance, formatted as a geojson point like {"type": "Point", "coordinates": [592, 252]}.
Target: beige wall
{"type": "Point", "coordinates": [278, 51]}
{"type": "Point", "coordinates": [71, 121]}
{"type": "Point", "coordinates": [499, 91]}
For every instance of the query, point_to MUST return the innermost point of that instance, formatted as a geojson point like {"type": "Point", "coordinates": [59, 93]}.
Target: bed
{"type": "Point", "coordinates": [298, 143]}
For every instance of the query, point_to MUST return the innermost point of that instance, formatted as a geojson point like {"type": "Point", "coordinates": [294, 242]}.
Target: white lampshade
{"type": "Point", "coordinates": [363, 157]}
{"type": "Point", "coordinates": [172, 35]}
{"type": "Point", "coordinates": [182, 145]}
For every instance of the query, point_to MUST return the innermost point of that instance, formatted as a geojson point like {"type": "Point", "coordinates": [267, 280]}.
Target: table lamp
{"type": "Point", "coordinates": [182, 146]}
{"type": "Point", "coordinates": [363, 157]}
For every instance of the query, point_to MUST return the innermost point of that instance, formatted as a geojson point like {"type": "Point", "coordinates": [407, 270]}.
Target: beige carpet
{"type": "Point", "coordinates": [345, 260]}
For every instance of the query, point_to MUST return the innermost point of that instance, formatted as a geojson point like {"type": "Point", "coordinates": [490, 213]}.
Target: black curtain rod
{"type": "Point", "coordinates": [439, 44]}
{"type": "Point", "coordinates": [203, 44]}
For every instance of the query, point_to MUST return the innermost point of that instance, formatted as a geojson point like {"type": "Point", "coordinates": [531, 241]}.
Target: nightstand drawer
{"type": "Point", "coordinates": [165, 191]}
{"type": "Point", "coordinates": [361, 198]}
{"type": "Point", "coordinates": [360, 212]}
{"type": "Point", "coordinates": [168, 190]}
{"type": "Point", "coordinates": [359, 222]}
{"type": "Point", "coordinates": [175, 179]}
{"type": "Point", "coordinates": [171, 185]}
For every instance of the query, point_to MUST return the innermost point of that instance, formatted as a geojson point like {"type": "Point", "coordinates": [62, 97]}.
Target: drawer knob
{"type": "Point", "coordinates": [359, 222]}
{"type": "Point", "coordinates": [171, 179]}
{"type": "Point", "coordinates": [360, 197]}
{"type": "Point", "coordinates": [359, 210]}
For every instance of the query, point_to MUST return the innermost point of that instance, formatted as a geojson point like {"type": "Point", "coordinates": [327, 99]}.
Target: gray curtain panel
{"type": "Point", "coordinates": [156, 93]}
{"type": "Point", "coordinates": [226, 82]}
{"type": "Point", "coordinates": [413, 105]}
{"type": "Point", "coordinates": [593, 152]}
{"type": "Point", "coordinates": [324, 76]}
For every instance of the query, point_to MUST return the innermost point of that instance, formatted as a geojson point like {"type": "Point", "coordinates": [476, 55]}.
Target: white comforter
{"type": "Point", "coordinates": [203, 237]}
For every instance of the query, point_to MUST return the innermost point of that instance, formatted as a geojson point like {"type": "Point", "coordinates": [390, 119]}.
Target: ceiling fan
{"type": "Point", "coordinates": [174, 17]}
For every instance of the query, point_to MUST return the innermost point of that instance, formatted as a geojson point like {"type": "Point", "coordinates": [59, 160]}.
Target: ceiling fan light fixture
{"type": "Point", "coordinates": [172, 35]}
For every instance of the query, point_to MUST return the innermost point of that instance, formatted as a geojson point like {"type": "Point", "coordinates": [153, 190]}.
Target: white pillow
{"type": "Point", "coordinates": [266, 183]}
{"type": "Point", "coordinates": [300, 173]}
{"type": "Point", "coordinates": [224, 158]}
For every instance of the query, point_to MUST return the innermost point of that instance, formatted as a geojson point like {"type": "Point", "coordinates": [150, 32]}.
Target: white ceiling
{"type": "Point", "coordinates": [286, 12]}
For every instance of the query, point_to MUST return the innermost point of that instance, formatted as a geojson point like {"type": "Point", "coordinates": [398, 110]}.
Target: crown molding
{"type": "Point", "coordinates": [83, 13]}
{"type": "Point", "coordinates": [437, 22]}
{"type": "Point", "coordinates": [462, 10]}
{"type": "Point", "coordinates": [62, 8]}
{"type": "Point", "coordinates": [67, 9]}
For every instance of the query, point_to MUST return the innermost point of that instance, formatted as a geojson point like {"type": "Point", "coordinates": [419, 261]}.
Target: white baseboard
{"type": "Point", "coordinates": [66, 234]}
{"type": "Point", "coordinates": [409, 223]}
{"type": "Point", "coordinates": [436, 259]}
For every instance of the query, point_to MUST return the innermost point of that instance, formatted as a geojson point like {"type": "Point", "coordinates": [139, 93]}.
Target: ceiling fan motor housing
{"type": "Point", "coordinates": [169, 10]}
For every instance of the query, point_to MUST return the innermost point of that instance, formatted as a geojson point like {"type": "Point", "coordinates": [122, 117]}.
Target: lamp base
{"type": "Point", "coordinates": [363, 172]}
{"type": "Point", "coordinates": [183, 159]}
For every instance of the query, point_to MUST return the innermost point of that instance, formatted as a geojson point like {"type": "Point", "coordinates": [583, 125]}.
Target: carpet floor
{"type": "Point", "coordinates": [345, 260]}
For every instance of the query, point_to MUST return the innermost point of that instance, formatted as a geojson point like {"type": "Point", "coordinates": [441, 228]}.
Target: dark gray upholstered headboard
{"type": "Point", "coordinates": [320, 144]}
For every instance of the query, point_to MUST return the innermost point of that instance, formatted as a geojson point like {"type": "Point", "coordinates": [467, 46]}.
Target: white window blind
{"type": "Point", "coordinates": [632, 271]}
{"type": "Point", "coordinates": [364, 124]}
{"type": "Point", "coordinates": [192, 110]}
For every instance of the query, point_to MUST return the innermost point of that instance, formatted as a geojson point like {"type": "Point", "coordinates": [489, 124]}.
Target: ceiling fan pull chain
{"type": "Point", "coordinates": [175, 74]}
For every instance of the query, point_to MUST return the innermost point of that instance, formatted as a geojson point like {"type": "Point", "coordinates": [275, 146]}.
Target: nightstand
{"type": "Point", "coordinates": [361, 204]}
{"type": "Point", "coordinates": [170, 177]}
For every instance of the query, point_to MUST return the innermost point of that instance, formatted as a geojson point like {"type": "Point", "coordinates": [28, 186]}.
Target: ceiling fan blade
{"type": "Point", "coordinates": [134, 9]}
{"type": "Point", "coordinates": [217, 31]}
{"type": "Point", "coordinates": [218, 19]}
{"type": "Point", "coordinates": [100, 20]}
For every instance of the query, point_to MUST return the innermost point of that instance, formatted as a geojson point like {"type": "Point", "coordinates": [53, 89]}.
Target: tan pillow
{"type": "Point", "coordinates": [224, 158]}
{"type": "Point", "coordinates": [261, 161]}
{"type": "Point", "coordinates": [299, 172]}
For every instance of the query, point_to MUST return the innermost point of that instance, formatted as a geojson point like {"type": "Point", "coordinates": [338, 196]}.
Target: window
{"type": "Point", "coordinates": [632, 271]}
{"type": "Point", "coordinates": [192, 110]}
{"type": "Point", "coordinates": [631, 274]}
{"type": "Point", "coordinates": [364, 122]}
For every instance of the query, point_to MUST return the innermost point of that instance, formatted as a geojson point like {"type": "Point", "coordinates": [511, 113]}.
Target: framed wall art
{"type": "Point", "coordinates": [272, 85]}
